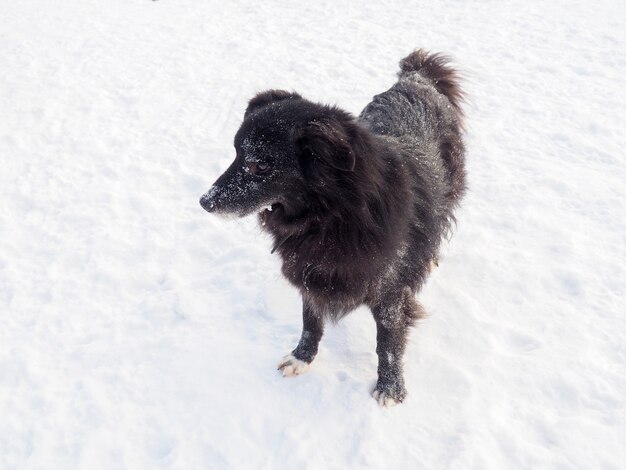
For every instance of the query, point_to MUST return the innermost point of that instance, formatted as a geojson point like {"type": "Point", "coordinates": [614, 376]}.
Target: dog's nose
{"type": "Point", "coordinates": [207, 202]}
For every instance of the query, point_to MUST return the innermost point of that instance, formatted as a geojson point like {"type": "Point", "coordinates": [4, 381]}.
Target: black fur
{"type": "Point", "coordinates": [357, 207]}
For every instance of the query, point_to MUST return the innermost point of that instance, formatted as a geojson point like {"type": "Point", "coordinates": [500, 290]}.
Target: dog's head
{"type": "Point", "coordinates": [285, 148]}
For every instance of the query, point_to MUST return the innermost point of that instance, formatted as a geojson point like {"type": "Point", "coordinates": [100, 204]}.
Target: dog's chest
{"type": "Point", "coordinates": [329, 277]}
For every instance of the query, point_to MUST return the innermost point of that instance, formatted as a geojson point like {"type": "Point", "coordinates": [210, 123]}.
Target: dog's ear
{"type": "Point", "coordinates": [324, 143]}
{"type": "Point", "coordinates": [270, 96]}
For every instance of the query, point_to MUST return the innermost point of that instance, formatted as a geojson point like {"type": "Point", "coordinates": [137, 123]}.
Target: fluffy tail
{"type": "Point", "coordinates": [436, 67]}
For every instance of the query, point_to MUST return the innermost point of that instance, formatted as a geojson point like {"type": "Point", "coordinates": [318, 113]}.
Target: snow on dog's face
{"type": "Point", "coordinates": [258, 177]}
{"type": "Point", "coordinates": [282, 149]}
{"type": "Point", "coordinates": [265, 170]}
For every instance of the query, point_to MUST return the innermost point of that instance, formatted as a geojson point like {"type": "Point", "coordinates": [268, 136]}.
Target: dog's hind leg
{"type": "Point", "coordinates": [299, 361]}
{"type": "Point", "coordinates": [394, 315]}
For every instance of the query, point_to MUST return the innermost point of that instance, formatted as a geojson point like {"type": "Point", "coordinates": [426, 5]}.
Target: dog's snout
{"type": "Point", "coordinates": [207, 200]}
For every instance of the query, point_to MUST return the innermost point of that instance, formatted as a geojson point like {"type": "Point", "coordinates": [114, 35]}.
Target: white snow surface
{"type": "Point", "coordinates": [139, 332]}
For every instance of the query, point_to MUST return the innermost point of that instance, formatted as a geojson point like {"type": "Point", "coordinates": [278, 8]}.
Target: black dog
{"type": "Point", "coordinates": [357, 207]}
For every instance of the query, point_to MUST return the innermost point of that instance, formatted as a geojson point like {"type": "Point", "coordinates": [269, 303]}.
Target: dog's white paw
{"type": "Point", "coordinates": [384, 399]}
{"type": "Point", "coordinates": [289, 366]}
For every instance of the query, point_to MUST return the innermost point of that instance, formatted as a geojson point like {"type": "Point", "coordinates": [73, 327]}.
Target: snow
{"type": "Point", "coordinates": [137, 331]}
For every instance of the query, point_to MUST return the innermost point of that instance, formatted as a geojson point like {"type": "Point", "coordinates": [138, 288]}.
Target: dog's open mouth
{"type": "Point", "coordinates": [269, 211]}
{"type": "Point", "coordinates": [266, 210]}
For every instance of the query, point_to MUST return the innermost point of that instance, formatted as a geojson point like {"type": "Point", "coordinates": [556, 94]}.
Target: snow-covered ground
{"type": "Point", "coordinates": [139, 332]}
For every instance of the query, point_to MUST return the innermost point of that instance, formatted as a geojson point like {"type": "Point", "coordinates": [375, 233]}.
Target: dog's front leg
{"type": "Point", "coordinates": [394, 316]}
{"type": "Point", "coordinates": [299, 361]}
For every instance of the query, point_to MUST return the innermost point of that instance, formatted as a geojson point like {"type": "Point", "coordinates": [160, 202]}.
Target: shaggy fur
{"type": "Point", "coordinates": [357, 207]}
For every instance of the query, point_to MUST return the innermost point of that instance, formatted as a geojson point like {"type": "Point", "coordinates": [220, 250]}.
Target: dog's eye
{"type": "Point", "coordinates": [259, 168]}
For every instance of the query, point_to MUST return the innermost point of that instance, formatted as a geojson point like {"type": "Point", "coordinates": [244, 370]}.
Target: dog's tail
{"type": "Point", "coordinates": [436, 68]}
{"type": "Point", "coordinates": [446, 80]}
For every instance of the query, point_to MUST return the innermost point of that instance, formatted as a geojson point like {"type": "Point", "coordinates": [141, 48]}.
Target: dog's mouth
{"type": "Point", "coordinates": [269, 208]}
